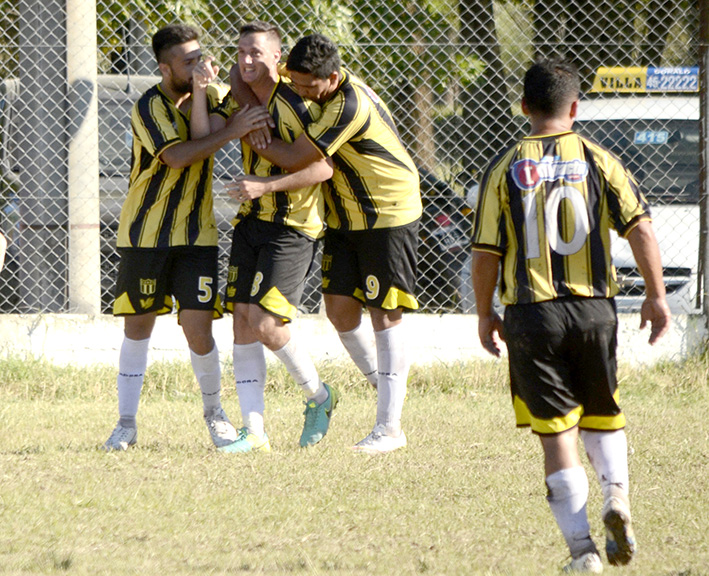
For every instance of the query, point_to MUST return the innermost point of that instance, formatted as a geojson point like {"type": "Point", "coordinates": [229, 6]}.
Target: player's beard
{"type": "Point", "coordinates": [182, 86]}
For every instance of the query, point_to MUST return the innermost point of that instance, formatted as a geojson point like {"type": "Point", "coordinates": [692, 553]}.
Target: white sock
{"type": "Point", "coordinates": [393, 371]}
{"type": "Point", "coordinates": [209, 375]}
{"type": "Point", "coordinates": [132, 362]}
{"type": "Point", "coordinates": [250, 376]}
{"type": "Point", "coordinates": [608, 454]}
{"type": "Point", "coordinates": [567, 496]}
{"type": "Point", "coordinates": [302, 370]}
{"type": "Point", "coordinates": [361, 348]}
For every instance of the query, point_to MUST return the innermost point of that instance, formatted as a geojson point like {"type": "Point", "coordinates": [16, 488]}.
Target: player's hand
{"type": "Point", "coordinates": [657, 313]}
{"type": "Point", "coordinates": [204, 73]}
{"type": "Point", "coordinates": [261, 138]}
{"type": "Point", "coordinates": [249, 119]}
{"type": "Point", "coordinates": [491, 333]}
{"type": "Point", "coordinates": [245, 188]}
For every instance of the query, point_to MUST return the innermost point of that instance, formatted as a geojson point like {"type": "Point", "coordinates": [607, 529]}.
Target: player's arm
{"type": "Point", "coordinates": [251, 187]}
{"type": "Point", "coordinates": [485, 269]}
{"type": "Point", "coordinates": [242, 93]}
{"type": "Point", "coordinates": [647, 256]}
{"type": "Point", "coordinates": [202, 76]}
{"type": "Point", "coordinates": [183, 154]}
{"type": "Point", "coordinates": [292, 157]}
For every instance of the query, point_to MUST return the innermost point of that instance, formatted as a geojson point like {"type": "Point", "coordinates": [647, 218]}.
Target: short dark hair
{"type": "Point", "coordinates": [314, 54]}
{"type": "Point", "coordinates": [549, 85]}
{"type": "Point", "coordinates": [259, 26]}
{"type": "Point", "coordinates": [172, 35]}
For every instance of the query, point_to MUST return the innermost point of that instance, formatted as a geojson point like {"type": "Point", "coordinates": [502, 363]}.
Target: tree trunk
{"type": "Point", "coordinates": [487, 118]}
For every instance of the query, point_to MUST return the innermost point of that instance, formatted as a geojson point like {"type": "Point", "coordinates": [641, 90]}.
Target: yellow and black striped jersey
{"type": "Point", "coordinates": [302, 209]}
{"type": "Point", "coordinates": [375, 182]}
{"type": "Point", "coordinates": [166, 206]}
{"type": "Point", "coordinates": [547, 205]}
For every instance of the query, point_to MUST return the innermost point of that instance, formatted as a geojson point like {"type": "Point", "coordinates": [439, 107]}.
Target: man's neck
{"type": "Point", "coordinates": [264, 88]}
{"type": "Point", "coordinates": [546, 126]}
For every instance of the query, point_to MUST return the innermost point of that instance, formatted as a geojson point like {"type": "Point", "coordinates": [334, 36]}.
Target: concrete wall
{"type": "Point", "coordinates": [79, 339]}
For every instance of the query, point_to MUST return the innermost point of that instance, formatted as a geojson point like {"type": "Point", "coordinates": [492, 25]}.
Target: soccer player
{"type": "Point", "coordinates": [544, 216]}
{"type": "Point", "coordinates": [374, 207]}
{"type": "Point", "coordinates": [273, 246]}
{"type": "Point", "coordinates": [167, 234]}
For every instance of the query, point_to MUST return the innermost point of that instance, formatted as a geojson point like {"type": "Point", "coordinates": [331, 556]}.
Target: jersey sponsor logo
{"type": "Point", "coordinates": [372, 94]}
{"type": "Point", "coordinates": [148, 286]}
{"type": "Point", "coordinates": [528, 173]}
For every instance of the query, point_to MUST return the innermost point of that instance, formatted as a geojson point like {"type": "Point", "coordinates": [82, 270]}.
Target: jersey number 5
{"type": "Point", "coordinates": [205, 289]}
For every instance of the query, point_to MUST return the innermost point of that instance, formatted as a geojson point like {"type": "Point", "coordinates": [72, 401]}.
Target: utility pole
{"type": "Point", "coordinates": [83, 166]}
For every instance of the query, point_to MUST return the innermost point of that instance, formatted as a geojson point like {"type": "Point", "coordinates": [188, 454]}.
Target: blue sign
{"type": "Point", "coordinates": [681, 79]}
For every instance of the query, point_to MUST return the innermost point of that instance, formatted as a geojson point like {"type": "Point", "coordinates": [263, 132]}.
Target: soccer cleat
{"type": "Point", "coordinates": [379, 442]}
{"type": "Point", "coordinates": [588, 563]}
{"type": "Point", "coordinates": [247, 443]}
{"type": "Point", "coordinates": [620, 539]}
{"type": "Point", "coordinates": [121, 438]}
{"type": "Point", "coordinates": [222, 431]}
{"type": "Point", "coordinates": [317, 418]}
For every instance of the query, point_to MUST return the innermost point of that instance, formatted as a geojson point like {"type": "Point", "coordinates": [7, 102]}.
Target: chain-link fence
{"type": "Point", "coordinates": [450, 71]}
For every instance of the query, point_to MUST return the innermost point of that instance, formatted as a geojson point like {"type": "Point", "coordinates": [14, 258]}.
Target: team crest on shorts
{"type": "Point", "coordinates": [326, 263]}
{"type": "Point", "coordinates": [148, 286]}
{"type": "Point", "coordinates": [232, 274]}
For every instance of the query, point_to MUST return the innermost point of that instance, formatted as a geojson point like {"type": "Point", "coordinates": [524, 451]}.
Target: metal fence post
{"type": "Point", "coordinates": [703, 273]}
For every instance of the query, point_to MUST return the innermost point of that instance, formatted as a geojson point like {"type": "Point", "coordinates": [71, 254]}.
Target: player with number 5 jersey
{"type": "Point", "coordinates": [167, 234]}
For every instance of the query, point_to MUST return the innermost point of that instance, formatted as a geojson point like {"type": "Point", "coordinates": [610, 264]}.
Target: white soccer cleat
{"type": "Point", "coordinates": [588, 563]}
{"type": "Point", "coordinates": [380, 442]}
{"type": "Point", "coordinates": [620, 539]}
{"type": "Point", "coordinates": [222, 431]}
{"type": "Point", "coordinates": [121, 438]}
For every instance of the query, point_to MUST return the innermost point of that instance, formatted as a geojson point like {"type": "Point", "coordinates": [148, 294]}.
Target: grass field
{"type": "Point", "coordinates": [465, 497]}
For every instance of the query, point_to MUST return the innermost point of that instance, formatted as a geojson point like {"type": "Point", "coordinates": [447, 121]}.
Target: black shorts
{"type": "Point", "coordinates": [149, 279]}
{"type": "Point", "coordinates": [562, 357]}
{"type": "Point", "coordinates": [268, 266]}
{"type": "Point", "coordinates": [377, 266]}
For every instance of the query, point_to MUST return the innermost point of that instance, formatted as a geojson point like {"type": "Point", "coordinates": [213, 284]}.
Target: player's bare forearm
{"type": "Point", "coordinates": [484, 273]}
{"type": "Point", "coordinates": [655, 309]}
{"type": "Point", "coordinates": [240, 90]}
{"type": "Point", "coordinates": [186, 153]}
{"type": "Point", "coordinates": [202, 75]}
{"type": "Point", "coordinates": [292, 157]}
{"type": "Point", "coordinates": [485, 268]}
{"type": "Point", "coordinates": [251, 187]}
